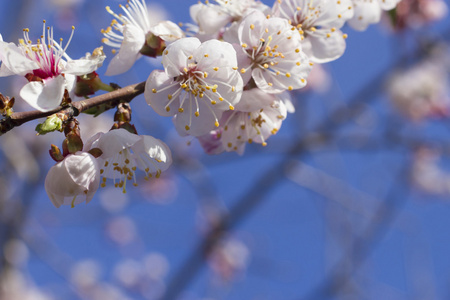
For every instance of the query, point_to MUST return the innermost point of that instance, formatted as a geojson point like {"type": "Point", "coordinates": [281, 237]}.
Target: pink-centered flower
{"type": "Point", "coordinates": [199, 83]}
{"type": "Point", "coordinates": [269, 51]}
{"type": "Point", "coordinates": [319, 23]}
{"type": "Point", "coordinates": [123, 153]}
{"type": "Point", "coordinates": [47, 67]}
{"type": "Point", "coordinates": [73, 180]}
{"type": "Point", "coordinates": [134, 34]}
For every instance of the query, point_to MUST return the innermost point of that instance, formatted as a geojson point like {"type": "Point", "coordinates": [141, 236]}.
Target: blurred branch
{"type": "Point", "coordinates": [365, 243]}
{"type": "Point", "coordinates": [125, 94]}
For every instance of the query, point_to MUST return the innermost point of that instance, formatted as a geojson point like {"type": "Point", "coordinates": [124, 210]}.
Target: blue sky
{"type": "Point", "coordinates": [297, 232]}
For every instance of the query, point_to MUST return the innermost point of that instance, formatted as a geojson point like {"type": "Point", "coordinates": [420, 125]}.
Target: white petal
{"type": "Point", "coordinates": [214, 53]}
{"type": "Point", "coordinates": [210, 19]}
{"type": "Point", "coordinates": [114, 141]}
{"type": "Point", "coordinates": [83, 66]}
{"type": "Point", "coordinates": [167, 31]}
{"type": "Point", "coordinates": [150, 147]}
{"type": "Point", "coordinates": [44, 96]}
{"type": "Point", "coordinates": [176, 54]}
{"type": "Point", "coordinates": [366, 13]}
{"type": "Point", "coordinates": [133, 41]}
{"type": "Point", "coordinates": [83, 168]}
{"type": "Point", "coordinates": [74, 180]}
{"type": "Point", "coordinates": [388, 4]}
{"type": "Point", "coordinates": [158, 101]}
{"type": "Point", "coordinates": [323, 48]}
{"type": "Point", "coordinates": [13, 61]}
{"type": "Point", "coordinates": [200, 125]}
{"type": "Point", "coordinates": [254, 99]}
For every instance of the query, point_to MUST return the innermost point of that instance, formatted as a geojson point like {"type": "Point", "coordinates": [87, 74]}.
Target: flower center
{"type": "Point", "coordinates": [46, 53]}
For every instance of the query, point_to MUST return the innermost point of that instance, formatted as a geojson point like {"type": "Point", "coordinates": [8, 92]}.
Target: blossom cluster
{"type": "Point", "coordinates": [225, 80]}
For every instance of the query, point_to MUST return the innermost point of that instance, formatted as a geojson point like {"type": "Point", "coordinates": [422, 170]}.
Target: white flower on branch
{"type": "Point", "coordinates": [212, 18]}
{"type": "Point", "coordinates": [124, 152]}
{"type": "Point", "coordinates": [261, 117]}
{"type": "Point", "coordinates": [136, 35]}
{"type": "Point", "coordinates": [47, 67]}
{"type": "Point", "coordinates": [269, 51]}
{"type": "Point", "coordinates": [369, 12]}
{"type": "Point", "coordinates": [319, 23]}
{"type": "Point", "coordinates": [199, 83]}
{"type": "Point", "coordinates": [73, 180]}
{"type": "Point", "coordinates": [252, 127]}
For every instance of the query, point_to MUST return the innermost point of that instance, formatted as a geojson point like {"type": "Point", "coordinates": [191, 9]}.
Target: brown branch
{"type": "Point", "coordinates": [125, 94]}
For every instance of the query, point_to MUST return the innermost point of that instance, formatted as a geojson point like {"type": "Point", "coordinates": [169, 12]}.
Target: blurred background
{"type": "Point", "coordinates": [350, 200]}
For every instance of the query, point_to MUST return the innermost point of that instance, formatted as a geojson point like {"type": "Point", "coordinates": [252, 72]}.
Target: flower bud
{"type": "Point", "coordinates": [52, 123]}
{"type": "Point", "coordinates": [73, 180]}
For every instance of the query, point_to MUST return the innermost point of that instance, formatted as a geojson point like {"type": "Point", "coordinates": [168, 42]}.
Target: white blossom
{"type": "Point", "coordinates": [133, 32]}
{"type": "Point", "coordinates": [369, 12]}
{"type": "Point", "coordinates": [47, 67]}
{"type": "Point", "coordinates": [212, 18]}
{"type": "Point", "coordinates": [124, 152]}
{"type": "Point", "coordinates": [269, 52]}
{"type": "Point", "coordinates": [252, 127]}
{"type": "Point", "coordinates": [319, 23]}
{"type": "Point", "coordinates": [199, 83]}
{"type": "Point", "coordinates": [73, 180]}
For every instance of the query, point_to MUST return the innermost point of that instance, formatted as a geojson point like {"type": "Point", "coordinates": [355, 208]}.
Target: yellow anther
{"type": "Point", "coordinates": [197, 114]}
{"type": "Point", "coordinates": [180, 110]}
{"type": "Point", "coordinates": [216, 124]}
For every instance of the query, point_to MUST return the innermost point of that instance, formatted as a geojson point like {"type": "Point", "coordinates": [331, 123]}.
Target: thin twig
{"type": "Point", "coordinates": [113, 98]}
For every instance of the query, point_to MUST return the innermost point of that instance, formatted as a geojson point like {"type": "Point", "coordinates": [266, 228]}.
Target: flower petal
{"type": "Point", "coordinates": [83, 65]}
{"type": "Point", "coordinates": [167, 31]}
{"type": "Point", "coordinates": [44, 96]}
{"type": "Point", "coordinates": [159, 101]}
{"type": "Point", "coordinates": [133, 40]}
{"type": "Point", "coordinates": [176, 54]}
{"type": "Point", "coordinates": [14, 61]}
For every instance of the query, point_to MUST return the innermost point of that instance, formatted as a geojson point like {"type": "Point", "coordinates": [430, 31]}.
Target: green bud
{"type": "Point", "coordinates": [52, 123]}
